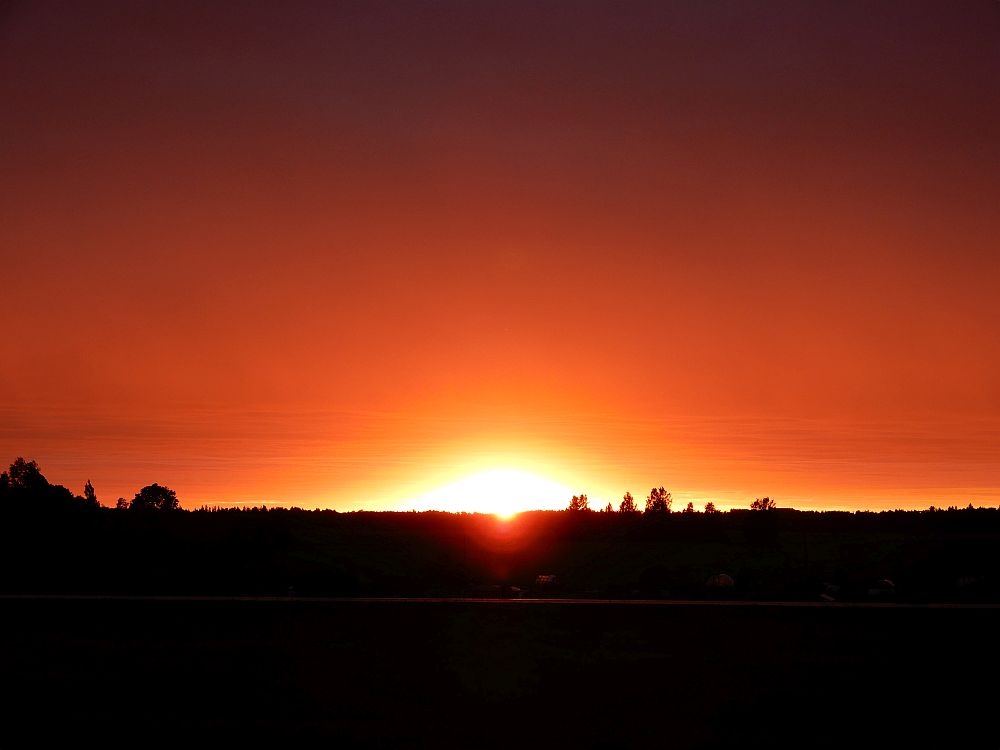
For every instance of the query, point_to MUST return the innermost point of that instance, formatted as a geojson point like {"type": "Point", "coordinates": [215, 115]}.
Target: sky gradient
{"type": "Point", "coordinates": [340, 254]}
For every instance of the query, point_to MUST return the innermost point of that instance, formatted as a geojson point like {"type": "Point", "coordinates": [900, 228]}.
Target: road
{"type": "Point", "coordinates": [510, 602]}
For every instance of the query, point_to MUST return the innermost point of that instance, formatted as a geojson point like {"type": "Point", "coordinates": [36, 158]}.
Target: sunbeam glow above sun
{"type": "Point", "coordinates": [503, 492]}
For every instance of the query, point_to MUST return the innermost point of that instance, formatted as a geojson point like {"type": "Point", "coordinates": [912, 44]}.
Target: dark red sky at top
{"type": "Point", "coordinates": [335, 253]}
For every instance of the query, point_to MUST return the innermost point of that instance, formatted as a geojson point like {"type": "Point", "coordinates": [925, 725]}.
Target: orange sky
{"type": "Point", "coordinates": [336, 255]}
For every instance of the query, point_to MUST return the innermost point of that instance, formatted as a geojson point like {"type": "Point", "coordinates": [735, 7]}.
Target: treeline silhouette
{"type": "Point", "coordinates": [54, 541]}
{"type": "Point", "coordinates": [659, 500]}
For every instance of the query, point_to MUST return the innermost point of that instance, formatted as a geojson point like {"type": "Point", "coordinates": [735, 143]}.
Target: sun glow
{"type": "Point", "coordinates": [504, 492]}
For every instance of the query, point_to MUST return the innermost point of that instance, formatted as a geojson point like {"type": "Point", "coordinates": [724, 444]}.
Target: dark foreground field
{"type": "Point", "coordinates": [491, 674]}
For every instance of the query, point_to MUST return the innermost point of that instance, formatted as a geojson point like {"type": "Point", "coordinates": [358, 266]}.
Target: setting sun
{"type": "Point", "coordinates": [503, 492]}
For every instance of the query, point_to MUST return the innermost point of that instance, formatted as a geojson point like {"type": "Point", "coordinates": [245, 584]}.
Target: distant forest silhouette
{"type": "Point", "coordinates": [55, 541]}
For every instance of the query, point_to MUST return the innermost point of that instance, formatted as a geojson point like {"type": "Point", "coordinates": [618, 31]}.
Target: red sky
{"type": "Point", "coordinates": [336, 254]}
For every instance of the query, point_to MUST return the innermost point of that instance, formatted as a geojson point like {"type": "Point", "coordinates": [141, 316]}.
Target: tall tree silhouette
{"type": "Point", "coordinates": [628, 504]}
{"type": "Point", "coordinates": [90, 496]}
{"type": "Point", "coordinates": [710, 507]}
{"type": "Point", "coordinates": [579, 502]}
{"type": "Point", "coordinates": [658, 501]}
{"type": "Point", "coordinates": [762, 503]}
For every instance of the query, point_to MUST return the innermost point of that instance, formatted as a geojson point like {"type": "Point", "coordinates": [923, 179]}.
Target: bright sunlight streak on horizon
{"type": "Point", "coordinates": [503, 492]}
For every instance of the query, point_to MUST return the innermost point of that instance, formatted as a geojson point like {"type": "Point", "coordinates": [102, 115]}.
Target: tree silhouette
{"type": "Point", "coordinates": [578, 503]}
{"type": "Point", "coordinates": [658, 501]}
{"type": "Point", "coordinates": [90, 496]}
{"type": "Point", "coordinates": [762, 503]}
{"type": "Point", "coordinates": [710, 507]}
{"type": "Point", "coordinates": [608, 508]}
{"type": "Point", "coordinates": [628, 504]}
{"type": "Point", "coordinates": [689, 508]}
{"type": "Point", "coordinates": [155, 497]}
{"type": "Point", "coordinates": [24, 486]}
{"type": "Point", "coordinates": [25, 475]}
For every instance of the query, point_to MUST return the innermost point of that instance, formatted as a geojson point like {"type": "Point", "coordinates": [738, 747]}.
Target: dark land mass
{"type": "Point", "coordinates": [493, 674]}
{"type": "Point", "coordinates": [291, 665]}
{"type": "Point", "coordinates": [941, 556]}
